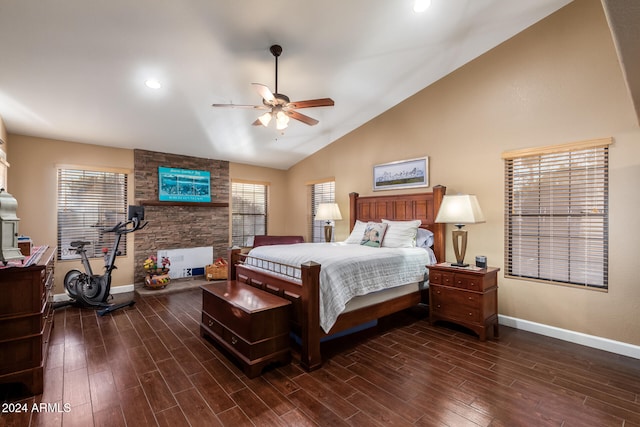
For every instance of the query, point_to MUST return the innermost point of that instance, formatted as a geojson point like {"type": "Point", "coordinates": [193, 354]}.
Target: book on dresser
{"type": "Point", "coordinates": [26, 318]}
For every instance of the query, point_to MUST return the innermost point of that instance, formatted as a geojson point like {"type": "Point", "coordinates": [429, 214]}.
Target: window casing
{"type": "Point", "coordinates": [557, 214]}
{"type": "Point", "coordinates": [248, 212]}
{"type": "Point", "coordinates": [324, 192]}
{"type": "Point", "coordinates": [88, 202]}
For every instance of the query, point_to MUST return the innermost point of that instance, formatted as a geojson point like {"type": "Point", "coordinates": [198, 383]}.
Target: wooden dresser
{"type": "Point", "coordinates": [465, 296]}
{"type": "Point", "coordinates": [26, 319]}
{"type": "Point", "coordinates": [251, 324]}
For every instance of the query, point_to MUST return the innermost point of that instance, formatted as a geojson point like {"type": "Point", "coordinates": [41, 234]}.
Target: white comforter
{"type": "Point", "coordinates": [349, 270]}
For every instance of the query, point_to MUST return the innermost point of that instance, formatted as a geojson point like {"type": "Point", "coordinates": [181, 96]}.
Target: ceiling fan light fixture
{"type": "Point", "coordinates": [282, 120]}
{"type": "Point", "coordinates": [265, 119]}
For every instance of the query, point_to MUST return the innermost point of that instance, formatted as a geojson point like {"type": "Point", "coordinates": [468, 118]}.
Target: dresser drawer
{"type": "Point", "coordinates": [21, 326]}
{"type": "Point", "coordinates": [20, 354]}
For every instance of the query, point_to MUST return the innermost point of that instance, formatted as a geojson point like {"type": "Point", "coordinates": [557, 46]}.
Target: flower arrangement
{"type": "Point", "coordinates": [165, 261]}
{"type": "Point", "coordinates": [151, 264]}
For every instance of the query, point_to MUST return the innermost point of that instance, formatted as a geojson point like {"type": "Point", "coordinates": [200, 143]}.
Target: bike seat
{"type": "Point", "coordinates": [79, 243]}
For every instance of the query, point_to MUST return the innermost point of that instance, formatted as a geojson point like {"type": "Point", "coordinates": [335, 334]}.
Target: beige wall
{"type": "Point", "coordinates": [277, 209]}
{"type": "Point", "coordinates": [33, 179]}
{"type": "Point", "coordinates": [557, 82]}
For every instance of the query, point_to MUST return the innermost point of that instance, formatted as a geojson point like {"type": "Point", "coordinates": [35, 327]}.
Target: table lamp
{"type": "Point", "coordinates": [460, 209]}
{"type": "Point", "coordinates": [328, 212]}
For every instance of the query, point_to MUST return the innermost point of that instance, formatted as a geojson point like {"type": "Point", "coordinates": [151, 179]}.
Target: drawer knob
{"type": "Point", "coordinates": [438, 306]}
{"type": "Point", "coordinates": [234, 340]}
{"type": "Point", "coordinates": [210, 323]}
{"type": "Point", "coordinates": [470, 314]}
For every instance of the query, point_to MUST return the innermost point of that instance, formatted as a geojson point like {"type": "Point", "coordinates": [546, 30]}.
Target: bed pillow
{"type": "Point", "coordinates": [374, 234]}
{"type": "Point", "coordinates": [400, 234]}
{"type": "Point", "coordinates": [356, 235]}
{"type": "Point", "coordinates": [424, 238]}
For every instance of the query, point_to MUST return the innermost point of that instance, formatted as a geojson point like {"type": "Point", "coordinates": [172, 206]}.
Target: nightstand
{"type": "Point", "coordinates": [467, 296]}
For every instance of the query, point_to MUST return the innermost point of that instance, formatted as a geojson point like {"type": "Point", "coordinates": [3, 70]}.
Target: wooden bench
{"type": "Point", "coordinates": [251, 324]}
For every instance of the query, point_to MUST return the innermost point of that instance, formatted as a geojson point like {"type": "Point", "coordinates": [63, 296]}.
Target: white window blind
{"type": "Point", "coordinates": [248, 212]}
{"type": "Point", "coordinates": [88, 202]}
{"type": "Point", "coordinates": [324, 192]}
{"type": "Point", "coordinates": [556, 214]}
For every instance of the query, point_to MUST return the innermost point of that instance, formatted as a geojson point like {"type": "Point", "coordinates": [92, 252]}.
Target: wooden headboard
{"type": "Point", "coordinates": [403, 207]}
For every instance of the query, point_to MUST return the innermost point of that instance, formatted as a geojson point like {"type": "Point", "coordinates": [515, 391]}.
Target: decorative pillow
{"type": "Point", "coordinates": [373, 234]}
{"type": "Point", "coordinates": [401, 234]}
{"type": "Point", "coordinates": [424, 238]}
{"type": "Point", "coordinates": [358, 231]}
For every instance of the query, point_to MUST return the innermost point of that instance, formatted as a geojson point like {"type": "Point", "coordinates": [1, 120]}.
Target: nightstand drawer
{"type": "Point", "coordinates": [456, 304]}
{"type": "Point", "coordinates": [472, 283]}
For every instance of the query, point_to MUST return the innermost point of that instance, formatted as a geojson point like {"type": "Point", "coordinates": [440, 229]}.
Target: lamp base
{"type": "Point", "coordinates": [457, 264]}
{"type": "Point", "coordinates": [459, 245]}
{"type": "Point", "coordinates": [327, 233]}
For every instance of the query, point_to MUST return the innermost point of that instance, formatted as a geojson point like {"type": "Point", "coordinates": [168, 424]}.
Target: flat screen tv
{"type": "Point", "coordinates": [183, 185]}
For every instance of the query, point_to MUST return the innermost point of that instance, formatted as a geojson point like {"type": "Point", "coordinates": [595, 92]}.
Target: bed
{"type": "Point", "coordinates": [301, 283]}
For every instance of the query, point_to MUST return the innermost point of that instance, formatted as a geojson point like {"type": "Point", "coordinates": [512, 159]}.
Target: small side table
{"type": "Point", "coordinates": [467, 296]}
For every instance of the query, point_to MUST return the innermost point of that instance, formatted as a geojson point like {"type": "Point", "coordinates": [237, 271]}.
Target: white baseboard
{"type": "Point", "coordinates": [605, 344]}
{"type": "Point", "coordinates": [115, 290]}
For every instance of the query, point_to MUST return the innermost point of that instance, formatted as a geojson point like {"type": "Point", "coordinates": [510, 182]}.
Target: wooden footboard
{"type": "Point", "coordinates": [304, 297]}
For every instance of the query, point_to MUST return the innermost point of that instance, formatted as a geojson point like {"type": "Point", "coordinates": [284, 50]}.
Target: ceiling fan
{"type": "Point", "coordinates": [279, 106]}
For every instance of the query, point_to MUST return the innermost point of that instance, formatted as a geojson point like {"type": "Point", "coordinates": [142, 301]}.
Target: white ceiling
{"type": "Point", "coordinates": [75, 69]}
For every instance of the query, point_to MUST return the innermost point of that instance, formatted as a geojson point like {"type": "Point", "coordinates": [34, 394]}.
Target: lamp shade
{"type": "Point", "coordinates": [328, 211]}
{"type": "Point", "coordinates": [460, 209]}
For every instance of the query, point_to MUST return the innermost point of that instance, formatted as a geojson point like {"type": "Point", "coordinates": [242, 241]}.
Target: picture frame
{"type": "Point", "coordinates": [411, 173]}
{"type": "Point", "coordinates": [183, 185]}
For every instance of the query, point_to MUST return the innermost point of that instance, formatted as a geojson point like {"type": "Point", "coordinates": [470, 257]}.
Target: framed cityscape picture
{"type": "Point", "coordinates": [402, 174]}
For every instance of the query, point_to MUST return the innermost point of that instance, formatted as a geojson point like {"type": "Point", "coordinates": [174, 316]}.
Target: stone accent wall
{"type": "Point", "coordinates": [178, 227]}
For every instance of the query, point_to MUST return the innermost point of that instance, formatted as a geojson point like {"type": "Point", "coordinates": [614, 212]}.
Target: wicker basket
{"type": "Point", "coordinates": [156, 281]}
{"type": "Point", "coordinates": [217, 270]}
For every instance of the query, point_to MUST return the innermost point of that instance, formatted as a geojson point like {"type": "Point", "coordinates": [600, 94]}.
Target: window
{"type": "Point", "coordinates": [89, 201]}
{"type": "Point", "coordinates": [324, 192]}
{"type": "Point", "coordinates": [556, 214]}
{"type": "Point", "coordinates": [248, 212]}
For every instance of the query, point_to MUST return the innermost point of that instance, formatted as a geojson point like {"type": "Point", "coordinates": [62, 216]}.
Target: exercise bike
{"type": "Point", "coordinates": [90, 290]}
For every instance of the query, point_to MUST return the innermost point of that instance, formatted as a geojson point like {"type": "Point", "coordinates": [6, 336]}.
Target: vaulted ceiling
{"type": "Point", "coordinates": [75, 69]}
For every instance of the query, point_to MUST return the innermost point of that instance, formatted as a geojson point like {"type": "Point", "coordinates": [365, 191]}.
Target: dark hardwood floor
{"type": "Point", "coordinates": [148, 365]}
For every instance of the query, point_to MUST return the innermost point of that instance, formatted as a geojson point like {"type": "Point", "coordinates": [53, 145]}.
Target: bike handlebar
{"type": "Point", "coordinates": [123, 227]}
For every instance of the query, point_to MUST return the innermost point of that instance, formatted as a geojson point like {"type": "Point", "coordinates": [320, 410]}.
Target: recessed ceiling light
{"type": "Point", "coordinates": [421, 5]}
{"type": "Point", "coordinates": [153, 84]}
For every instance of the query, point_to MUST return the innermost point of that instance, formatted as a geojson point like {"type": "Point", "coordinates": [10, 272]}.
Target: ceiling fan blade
{"type": "Point", "coordinates": [252, 107]}
{"type": "Point", "coordinates": [264, 92]}
{"type": "Point", "coordinates": [301, 117]}
{"type": "Point", "coordinates": [322, 102]}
